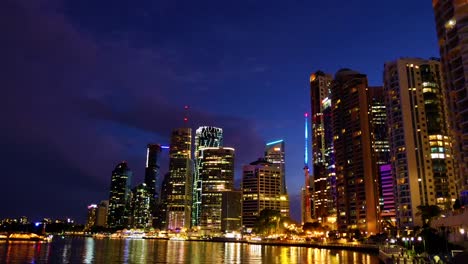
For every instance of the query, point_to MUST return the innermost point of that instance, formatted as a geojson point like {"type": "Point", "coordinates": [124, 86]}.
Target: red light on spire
{"type": "Point", "coordinates": [306, 114]}
{"type": "Point", "coordinates": [186, 108]}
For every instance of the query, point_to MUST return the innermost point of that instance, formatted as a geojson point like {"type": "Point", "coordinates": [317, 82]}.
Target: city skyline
{"type": "Point", "coordinates": [93, 93]}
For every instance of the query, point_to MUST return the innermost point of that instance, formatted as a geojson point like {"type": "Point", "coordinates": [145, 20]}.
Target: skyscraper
{"type": "Point", "coordinates": [420, 145]}
{"type": "Point", "coordinates": [179, 195]}
{"type": "Point", "coordinates": [216, 173]}
{"type": "Point", "coordinates": [101, 213]}
{"type": "Point", "coordinates": [451, 17]}
{"type": "Point", "coordinates": [153, 154]}
{"type": "Point", "coordinates": [120, 194]}
{"type": "Point", "coordinates": [322, 149]}
{"type": "Point", "coordinates": [261, 189]}
{"type": "Point", "coordinates": [357, 197]}
{"type": "Point", "coordinates": [231, 212]}
{"type": "Point", "coordinates": [205, 136]}
{"type": "Point", "coordinates": [274, 153]}
{"type": "Point", "coordinates": [141, 207]}
{"type": "Point", "coordinates": [91, 218]}
{"type": "Point", "coordinates": [160, 218]}
{"type": "Point", "coordinates": [381, 147]}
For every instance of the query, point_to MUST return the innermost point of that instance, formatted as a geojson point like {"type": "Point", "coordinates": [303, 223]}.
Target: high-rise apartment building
{"type": "Point", "coordinates": [179, 184]}
{"type": "Point", "coordinates": [274, 153]}
{"type": "Point", "coordinates": [120, 196]}
{"type": "Point", "coordinates": [141, 206]}
{"type": "Point", "coordinates": [420, 142]}
{"type": "Point", "coordinates": [261, 189]}
{"type": "Point", "coordinates": [324, 194]}
{"type": "Point", "coordinates": [205, 136]}
{"type": "Point", "coordinates": [451, 17]}
{"type": "Point", "coordinates": [357, 194]}
{"type": "Point", "coordinates": [153, 155]}
{"type": "Point", "coordinates": [216, 174]}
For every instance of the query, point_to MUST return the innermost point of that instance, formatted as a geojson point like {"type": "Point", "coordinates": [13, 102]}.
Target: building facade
{"type": "Point", "coordinates": [91, 217]}
{"type": "Point", "coordinates": [381, 147]}
{"type": "Point", "coordinates": [356, 173]}
{"type": "Point", "coordinates": [322, 149]}
{"type": "Point", "coordinates": [205, 136]}
{"type": "Point", "coordinates": [231, 211]}
{"type": "Point", "coordinates": [141, 207]}
{"type": "Point", "coordinates": [420, 142]}
{"type": "Point", "coordinates": [179, 184]}
{"type": "Point", "coordinates": [275, 154]}
{"type": "Point", "coordinates": [451, 17]}
{"type": "Point", "coordinates": [261, 189]}
{"type": "Point", "coordinates": [101, 214]}
{"type": "Point", "coordinates": [120, 197]}
{"type": "Point", "coordinates": [153, 155]}
{"type": "Point", "coordinates": [216, 174]}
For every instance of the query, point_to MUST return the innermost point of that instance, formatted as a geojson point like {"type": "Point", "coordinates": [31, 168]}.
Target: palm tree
{"type": "Point", "coordinates": [428, 212]}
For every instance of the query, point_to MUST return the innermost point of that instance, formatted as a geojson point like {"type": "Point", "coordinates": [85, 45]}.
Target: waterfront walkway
{"type": "Point", "coordinates": [369, 248]}
{"type": "Point", "coordinates": [398, 255]}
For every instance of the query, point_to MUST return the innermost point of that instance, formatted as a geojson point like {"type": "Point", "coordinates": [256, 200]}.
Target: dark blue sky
{"type": "Point", "coordinates": [88, 83]}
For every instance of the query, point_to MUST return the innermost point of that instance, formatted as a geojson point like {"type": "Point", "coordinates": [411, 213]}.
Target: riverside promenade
{"type": "Point", "coordinates": [398, 255]}
{"type": "Point", "coordinates": [367, 248]}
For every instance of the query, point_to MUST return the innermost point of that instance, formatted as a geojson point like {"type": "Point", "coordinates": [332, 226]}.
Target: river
{"type": "Point", "coordinates": [90, 250]}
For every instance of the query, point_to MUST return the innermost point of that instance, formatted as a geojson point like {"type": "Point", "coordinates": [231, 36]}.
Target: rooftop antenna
{"type": "Point", "coordinates": [307, 213]}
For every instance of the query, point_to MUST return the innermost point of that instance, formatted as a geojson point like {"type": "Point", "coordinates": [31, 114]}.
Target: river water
{"type": "Point", "coordinates": [90, 250]}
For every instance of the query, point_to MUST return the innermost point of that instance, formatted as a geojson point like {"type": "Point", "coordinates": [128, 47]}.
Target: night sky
{"type": "Point", "coordinates": [86, 84]}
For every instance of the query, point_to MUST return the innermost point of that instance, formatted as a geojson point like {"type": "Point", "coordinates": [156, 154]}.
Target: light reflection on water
{"type": "Point", "coordinates": [89, 250]}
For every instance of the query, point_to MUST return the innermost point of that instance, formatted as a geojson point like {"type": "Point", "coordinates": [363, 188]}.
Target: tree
{"type": "Point", "coordinates": [428, 212]}
{"type": "Point", "coordinates": [267, 221]}
{"type": "Point", "coordinates": [457, 205]}
{"type": "Point", "coordinates": [311, 226]}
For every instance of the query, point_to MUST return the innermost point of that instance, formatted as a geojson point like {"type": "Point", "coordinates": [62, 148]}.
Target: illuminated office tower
{"type": "Point", "coordinates": [141, 207]}
{"type": "Point", "coordinates": [160, 218]}
{"type": "Point", "coordinates": [101, 213]}
{"type": "Point", "coordinates": [179, 195]}
{"type": "Point", "coordinates": [324, 209]}
{"type": "Point", "coordinates": [231, 212]}
{"type": "Point", "coordinates": [356, 173]}
{"type": "Point", "coordinates": [274, 153]}
{"type": "Point", "coordinates": [91, 218]}
{"type": "Point", "coordinates": [205, 136]}
{"type": "Point", "coordinates": [381, 147]}
{"type": "Point", "coordinates": [420, 145]}
{"type": "Point", "coordinates": [451, 17]}
{"type": "Point", "coordinates": [120, 197]}
{"type": "Point", "coordinates": [216, 173]}
{"type": "Point", "coordinates": [153, 154]}
{"type": "Point", "coordinates": [261, 189]}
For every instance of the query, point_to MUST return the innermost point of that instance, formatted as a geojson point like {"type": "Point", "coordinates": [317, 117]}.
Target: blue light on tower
{"type": "Point", "coordinates": [306, 154]}
{"type": "Point", "coordinates": [274, 142]}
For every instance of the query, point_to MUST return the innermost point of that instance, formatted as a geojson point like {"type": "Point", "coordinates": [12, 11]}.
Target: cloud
{"type": "Point", "coordinates": [76, 104]}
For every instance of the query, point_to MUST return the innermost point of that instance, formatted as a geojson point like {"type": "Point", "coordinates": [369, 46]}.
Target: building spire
{"type": "Point", "coordinates": [186, 109]}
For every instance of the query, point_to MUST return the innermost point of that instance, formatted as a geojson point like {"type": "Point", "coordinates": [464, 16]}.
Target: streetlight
{"type": "Point", "coordinates": [424, 242]}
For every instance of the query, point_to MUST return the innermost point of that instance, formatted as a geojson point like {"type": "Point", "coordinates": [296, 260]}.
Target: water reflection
{"type": "Point", "coordinates": [89, 250]}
